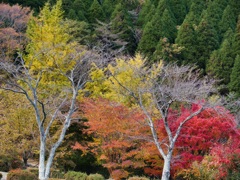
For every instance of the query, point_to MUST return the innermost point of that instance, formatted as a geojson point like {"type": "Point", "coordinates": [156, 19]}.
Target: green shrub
{"type": "Point", "coordinates": [72, 175]}
{"type": "Point", "coordinates": [18, 174]}
{"type": "Point", "coordinates": [138, 178]}
{"type": "Point", "coordinates": [95, 177]}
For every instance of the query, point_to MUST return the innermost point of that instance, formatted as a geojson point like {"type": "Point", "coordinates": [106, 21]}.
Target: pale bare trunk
{"type": "Point", "coordinates": [41, 167]}
{"type": "Point", "coordinates": [166, 167]}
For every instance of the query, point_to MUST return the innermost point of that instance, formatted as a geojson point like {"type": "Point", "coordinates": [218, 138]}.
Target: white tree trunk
{"type": "Point", "coordinates": [41, 167]}
{"type": "Point", "coordinates": [166, 167]}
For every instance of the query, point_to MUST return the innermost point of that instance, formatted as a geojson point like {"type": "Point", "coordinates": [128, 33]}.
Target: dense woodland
{"type": "Point", "coordinates": [122, 88]}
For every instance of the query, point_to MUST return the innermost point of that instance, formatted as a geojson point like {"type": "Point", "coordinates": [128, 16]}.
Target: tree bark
{"type": "Point", "coordinates": [166, 167]}
{"type": "Point", "coordinates": [41, 168]}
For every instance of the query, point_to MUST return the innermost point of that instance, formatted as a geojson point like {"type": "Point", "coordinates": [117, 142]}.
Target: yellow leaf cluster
{"type": "Point", "coordinates": [118, 82]}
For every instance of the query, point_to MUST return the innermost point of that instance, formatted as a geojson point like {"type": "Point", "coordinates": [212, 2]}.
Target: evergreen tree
{"type": "Point", "coordinates": [214, 12]}
{"type": "Point", "coordinates": [186, 38]}
{"type": "Point", "coordinates": [145, 11]}
{"type": "Point", "coordinates": [235, 83]}
{"type": "Point", "coordinates": [168, 25]}
{"type": "Point", "coordinates": [194, 15]}
{"type": "Point", "coordinates": [148, 42]}
{"type": "Point", "coordinates": [122, 24]}
{"type": "Point", "coordinates": [207, 41]}
{"type": "Point", "coordinates": [221, 61]}
{"type": "Point", "coordinates": [96, 12]}
{"type": "Point", "coordinates": [179, 9]}
{"type": "Point", "coordinates": [108, 7]}
{"type": "Point", "coordinates": [236, 45]}
{"type": "Point", "coordinates": [227, 21]}
{"type": "Point", "coordinates": [72, 14]}
{"type": "Point", "coordinates": [162, 25]}
{"type": "Point", "coordinates": [235, 6]}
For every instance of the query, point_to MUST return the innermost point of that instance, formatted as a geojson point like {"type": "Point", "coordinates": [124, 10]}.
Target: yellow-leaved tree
{"type": "Point", "coordinates": [50, 53]}
{"type": "Point", "coordinates": [117, 82]}
{"type": "Point", "coordinates": [49, 75]}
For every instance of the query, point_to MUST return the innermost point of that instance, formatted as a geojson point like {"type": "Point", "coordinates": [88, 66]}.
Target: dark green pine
{"type": "Point", "coordinates": [196, 9]}
{"type": "Point", "coordinates": [148, 42]}
{"type": "Point", "coordinates": [179, 9]}
{"type": "Point", "coordinates": [227, 21]}
{"type": "Point", "coordinates": [162, 25]}
{"type": "Point", "coordinates": [234, 85]}
{"type": "Point", "coordinates": [214, 12]}
{"type": "Point", "coordinates": [207, 41]}
{"type": "Point", "coordinates": [236, 44]}
{"type": "Point", "coordinates": [144, 12]}
{"type": "Point", "coordinates": [235, 6]}
{"type": "Point", "coordinates": [186, 38]}
{"type": "Point", "coordinates": [221, 61]}
{"type": "Point", "coordinates": [108, 7]}
{"type": "Point", "coordinates": [96, 12]}
{"type": "Point", "coordinates": [72, 15]}
{"type": "Point", "coordinates": [168, 27]}
{"type": "Point", "coordinates": [121, 22]}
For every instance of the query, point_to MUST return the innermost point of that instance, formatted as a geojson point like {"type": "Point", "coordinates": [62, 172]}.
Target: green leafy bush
{"type": "Point", "coordinates": [138, 178]}
{"type": "Point", "coordinates": [72, 175]}
{"type": "Point", "coordinates": [95, 177]}
{"type": "Point", "coordinates": [19, 174]}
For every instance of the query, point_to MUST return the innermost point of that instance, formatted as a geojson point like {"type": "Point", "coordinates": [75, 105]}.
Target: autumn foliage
{"type": "Point", "coordinates": [123, 142]}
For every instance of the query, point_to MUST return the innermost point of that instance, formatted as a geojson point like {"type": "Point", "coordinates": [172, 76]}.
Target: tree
{"type": "Point", "coordinates": [13, 24]}
{"type": "Point", "coordinates": [121, 21]}
{"type": "Point", "coordinates": [108, 7]}
{"type": "Point", "coordinates": [115, 129]}
{"type": "Point", "coordinates": [162, 25]}
{"type": "Point", "coordinates": [207, 41]}
{"type": "Point", "coordinates": [186, 38]}
{"type": "Point", "coordinates": [164, 87]}
{"type": "Point", "coordinates": [172, 86]}
{"type": "Point", "coordinates": [50, 65]}
{"type": "Point", "coordinates": [96, 12]}
{"type": "Point", "coordinates": [18, 128]}
{"type": "Point", "coordinates": [179, 9]}
{"type": "Point", "coordinates": [227, 21]}
{"type": "Point", "coordinates": [235, 83]}
{"type": "Point", "coordinates": [221, 61]}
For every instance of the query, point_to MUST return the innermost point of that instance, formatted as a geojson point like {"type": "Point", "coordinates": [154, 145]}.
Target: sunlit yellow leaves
{"type": "Point", "coordinates": [50, 51]}
{"type": "Point", "coordinates": [118, 82]}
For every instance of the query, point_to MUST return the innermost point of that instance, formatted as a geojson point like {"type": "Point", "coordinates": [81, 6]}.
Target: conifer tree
{"type": "Point", "coordinates": [162, 25]}
{"type": "Point", "coordinates": [80, 9]}
{"type": "Point", "coordinates": [108, 7]}
{"type": "Point", "coordinates": [122, 24]}
{"type": "Point", "coordinates": [236, 44]}
{"type": "Point", "coordinates": [227, 21]}
{"type": "Point", "coordinates": [145, 11]}
{"type": "Point", "coordinates": [179, 9]}
{"type": "Point", "coordinates": [72, 14]}
{"type": "Point", "coordinates": [221, 61]}
{"type": "Point", "coordinates": [235, 83]}
{"type": "Point", "coordinates": [214, 11]}
{"type": "Point", "coordinates": [235, 5]}
{"type": "Point", "coordinates": [186, 38]}
{"type": "Point", "coordinates": [96, 12]}
{"type": "Point", "coordinates": [207, 41]}
{"type": "Point", "coordinates": [194, 15]}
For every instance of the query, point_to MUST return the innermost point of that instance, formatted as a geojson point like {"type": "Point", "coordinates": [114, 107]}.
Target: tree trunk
{"type": "Point", "coordinates": [166, 167]}
{"type": "Point", "coordinates": [41, 168]}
